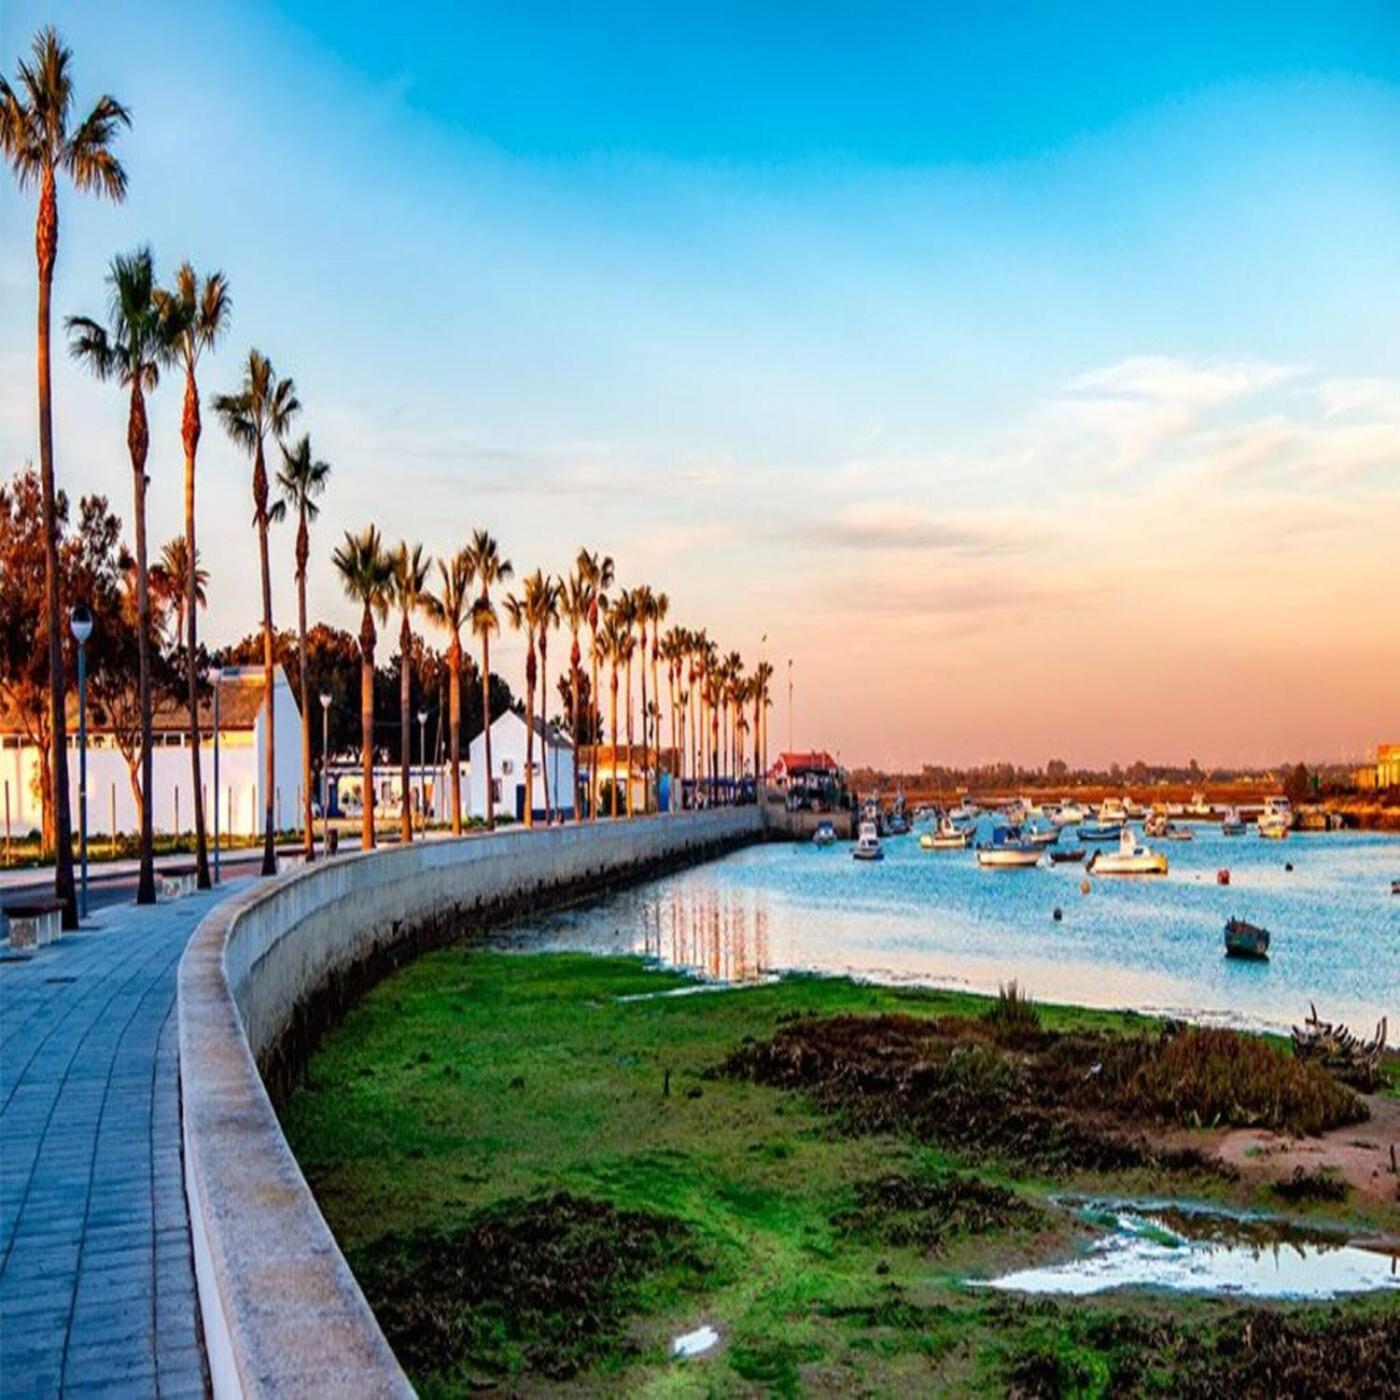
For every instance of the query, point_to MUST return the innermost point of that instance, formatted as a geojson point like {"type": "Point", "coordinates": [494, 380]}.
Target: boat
{"type": "Point", "coordinates": [1099, 830]}
{"type": "Point", "coordinates": [1007, 852]}
{"type": "Point", "coordinates": [1041, 835]}
{"type": "Point", "coordinates": [1112, 810]}
{"type": "Point", "coordinates": [897, 824]}
{"type": "Point", "coordinates": [1243, 940]}
{"type": "Point", "coordinates": [1068, 857]}
{"type": "Point", "coordinates": [1233, 824]}
{"type": "Point", "coordinates": [824, 835]}
{"type": "Point", "coordinates": [1276, 820]}
{"type": "Point", "coordinates": [965, 811]}
{"type": "Point", "coordinates": [1067, 814]}
{"type": "Point", "coordinates": [868, 845]}
{"type": "Point", "coordinates": [1175, 831]}
{"type": "Point", "coordinates": [946, 837]}
{"type": "Point", "coordinates": [1157, 822]}
{"type": "Point", "coordinates": [1199, 807]}
{"type": "Point", "coordinates": [1395, 887]}
{"type": "Point", "coordinates": [1128, 859]}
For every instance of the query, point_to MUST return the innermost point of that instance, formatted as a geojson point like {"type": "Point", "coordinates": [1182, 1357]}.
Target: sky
{"type": "Point", "coordinates": [1027, 375]}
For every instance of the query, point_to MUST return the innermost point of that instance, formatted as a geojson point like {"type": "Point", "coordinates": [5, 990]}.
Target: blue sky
{"type": "Point", "coordinates": [974, 357]}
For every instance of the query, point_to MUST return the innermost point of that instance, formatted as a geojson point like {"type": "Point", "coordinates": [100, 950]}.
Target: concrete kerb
{"type": "Point", "coordinates": [263, 973]}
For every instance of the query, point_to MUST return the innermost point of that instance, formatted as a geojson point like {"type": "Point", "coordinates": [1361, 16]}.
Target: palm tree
{"type": "Point", "coordinates": [450, 607]}
{"type": "Point", "coordinates": [301, 479]}
{"type": "Point", "coordinates": [490, 569]}
{"type": "Point", "coordinates": [598, 573]}
{"type": "Point", "coordinates": [367, 576]}
{"type": "Point", "coordinates": [660, 606]}
{"type": "Point", "coordinates": [526, 612]}
{"type": "Point", "coordinates": [197, 314]}
{"type": "Point", "coordinates": [642, 605]}
{"type": "Point", "coordinates": [548, 601]}
{"type": "Point", "coordinates": [172, 583]}
{"type": "Point", "coordinates": [608, 646]}
{"type": "Point", "coordinates": [410, 583]}
{"type": "Point", "coordinates": [673, 652]}
{"type": "Point", "coordinates": [131, 349]}
{"type": "Point", "coordinates": [36, 140]}
{"type": "Point", "coordinates": [574, 604]}
{"type": "Point", "coordinates": [263, 405]}
{"type": "Point", "coordinates": [624, 614]}
{"type": "Point", "coordinates": [763, 673]}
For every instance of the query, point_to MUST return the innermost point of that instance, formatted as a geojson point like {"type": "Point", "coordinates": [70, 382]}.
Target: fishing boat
{"type": "Point", "coordinates": [1007, 852]}
{"type": "Point", "coordinates": [1041, 835]}
{"type": "Point", "coordinates": [1175, 831]}
{"type": "Point", "coordinates": [1276, 820]}
{"type": "Point", "coordinates": [1199, 807]}
{"type": "Point", "coordinates": [824, 835]}
{"type": "Point", "coordinates": [1100, 830]}
{"type": "Point", "coordinates": [868, 845]}
{"type": "Point", "coordinates": [947, 837]}
{"type": "Point", "coordinates": [1068, 857]}
{"type": "Point", "coordinates": [1243, 940]}
{"type": "Point", "coordinates": [965, 811]}
{"type": "Point", "coordinates": [1395, 887]}
{"type": "Point", "coordinates": [897, 824]}
{"type": "Point", "coordinates": [1233, 824]}
{"type": "Point", "coordinates": [1067, 814]}
{"type": "Point", "coordinates": [1128, 859]}
{"type": "Point", "coordinates": [1157, 822]}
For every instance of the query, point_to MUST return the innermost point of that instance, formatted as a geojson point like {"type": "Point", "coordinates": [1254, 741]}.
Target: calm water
{"type": "Point", "coordinates": [934, 917]}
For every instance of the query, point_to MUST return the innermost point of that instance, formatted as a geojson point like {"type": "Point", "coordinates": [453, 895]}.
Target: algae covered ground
{"type": "Point", "coordinates": [545, 1168]}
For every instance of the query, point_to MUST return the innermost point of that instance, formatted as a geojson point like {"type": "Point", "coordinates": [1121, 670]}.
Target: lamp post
{"type": "Point", "coordinates": [216, 675]}
{"type": "Point", "coordinates": [422, 766]}
{"type": "Point", "coordinates": [80, 624]}
{"type": "Point", "coordinates": [325, 698]}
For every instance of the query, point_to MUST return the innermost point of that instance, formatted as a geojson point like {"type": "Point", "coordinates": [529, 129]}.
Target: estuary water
{"type": "Point", "coordinates": [935, 918]}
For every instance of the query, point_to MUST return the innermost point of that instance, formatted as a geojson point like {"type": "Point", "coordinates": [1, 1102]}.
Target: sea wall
{"type": "Point", "coordinates": [264, 972]}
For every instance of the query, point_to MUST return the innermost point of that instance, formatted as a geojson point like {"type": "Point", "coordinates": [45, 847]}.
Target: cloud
{"type": "Point", "coordinates": [1167, 378]}
{"type": "Point", "coordinates": [890, 526]}
{"type": "Point", "coordinates": [1376, 398]}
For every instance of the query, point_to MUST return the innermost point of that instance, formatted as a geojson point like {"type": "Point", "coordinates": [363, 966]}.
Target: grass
{"type": "Point", "coordinates": [471, 1099]}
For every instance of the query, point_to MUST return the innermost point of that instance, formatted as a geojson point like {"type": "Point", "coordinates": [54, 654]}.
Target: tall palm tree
{"type": "Point", "coordinates": [262, 406]}
{"type": "Point", "coordinates": [449, 608]}
{"type": "Point", "coordinates": [642, 607]}
{"type": "Point", "coordinates": [574, 600]}
{"type": "Point", "coordinates": [660, 607]}
{"type": "Point", "coordinates": [410, 584]}
{"type": "Point", "coordinates": [608, 646]}
{"type": "Point", "coordinates": [598, 573]}
{"type": "Point", "coordinates": [624, 613]}
{"type": "Point", "coordinates": [763, 673]}
{"type": "Point", "coordinates": [548, 609]}
{"type": "Point", "coordinates": [301, 480]}
{"type": "Point", "coordinates": [173, 583]}
{"type": "Point", "coordinates": [130, 349]}
{"type": "Point", "coordinates": [367, 576]}
{"type": "Point", "coordinates": [197, 313]}
{"type": "Point", "coordinates": [36, 140]}
{"type": "Point", "coordinates": [731, 705]}
{"type": "Point", "coordinates": [672, 652]}
{"type": "Point", "coordinates": [490, 569]}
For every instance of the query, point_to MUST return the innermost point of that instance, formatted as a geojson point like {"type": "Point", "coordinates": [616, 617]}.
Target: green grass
{"type": "Point", "coordinates": [475, 1082]}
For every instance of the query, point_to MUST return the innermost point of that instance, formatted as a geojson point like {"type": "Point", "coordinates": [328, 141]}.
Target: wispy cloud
{"type": "Point", "coordinates": [891, 526]}
{"type": "Point", "coordinates": [1376, 398]}
{"type": "Point", "coordinates": [1167, 378]}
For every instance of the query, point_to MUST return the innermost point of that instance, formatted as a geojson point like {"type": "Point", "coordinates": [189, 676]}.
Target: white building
{"type": "Point", "coordinates": [554, 762]}
{"type": "Point", "coordinates": [242, 745]}
{"type": "Point", "coordinates": [430, 789]}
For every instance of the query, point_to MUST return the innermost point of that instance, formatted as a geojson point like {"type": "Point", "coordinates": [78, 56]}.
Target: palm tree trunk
{"type": "Point", "coordinates": [593, 765]}
{"type": "Point", "coordinates": [574, 657]}
{"type": "Point", "coordinates": [530, 735]}
{"type": "Point", "coordinates": [454, 699]}
{"type": "Point", "coordinates": [138, 442]}
{"type": "Point", "coordinates": [308, 823]}
{"type": "Point", "coordinates": [367, 731]}
{"type": "Point", "coordinates": [269, 860]}
{"type": "Point", "coordinates": [190, 429]}
{"type": "Point", "coordinates": [544, 727]}
{"type": "Point", "coordinates": [405, 732]}
{"type": "Point", "coordinates": [646, 757]}
{"type": "Point", "coordinates": [628, 789]}
{"type": "Point", "coordinates": [486, 725]}
{"type": "Point", "coordinates": [46, 249]}
{"type": "Point", "coordinates": [613, 724]}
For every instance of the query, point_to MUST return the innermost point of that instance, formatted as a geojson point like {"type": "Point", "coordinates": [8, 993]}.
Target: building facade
{"type": "Point", "coordinates": [554, 767]}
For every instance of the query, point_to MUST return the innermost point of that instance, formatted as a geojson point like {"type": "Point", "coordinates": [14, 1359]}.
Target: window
{"type": "Point", "coordinates": [507, 765]}
{"type": "Point", "coordinates": [495, 789]}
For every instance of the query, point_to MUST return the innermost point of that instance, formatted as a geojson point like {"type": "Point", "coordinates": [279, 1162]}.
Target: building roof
{"type": "Point", "coordinates": [556, 737]}
{"type": "Point", "coordinates": [807, 760]}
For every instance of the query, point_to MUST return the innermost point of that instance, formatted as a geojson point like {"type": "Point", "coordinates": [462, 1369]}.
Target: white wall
{"type": "Point", "coordinates": [508, 740]}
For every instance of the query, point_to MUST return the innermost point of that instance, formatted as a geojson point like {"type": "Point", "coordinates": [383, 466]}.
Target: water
{"type": "Point", "coordinates": [936, 918]}
{"type": "Point", "coordinates": [1144, 1250]}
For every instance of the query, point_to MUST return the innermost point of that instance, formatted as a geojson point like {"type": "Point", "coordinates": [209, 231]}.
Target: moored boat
{"type": "Point", "coordinates": [1128, 859]}
{"type": "Point", "coordinates": [1233, 824]}
{"type": "Point", "coordinates": [868, 845]}
{"type": "Point", "coordinates": [824, 835]}
{"type": "Point", "coordinates": [1068, 857]}
{"type": "Point", "coordinates": [1007, 852]}
{"type": "Point", "coordinates": [1276, 820]}
{"type": "Point", "coordinates": [1067, 814]}
{"type": "Point", "coordinates": [1099, 830]}
{"type": "Point", "coordinates": [947, 837]}
{"type": "Point", "coordinates": [1245, 940]}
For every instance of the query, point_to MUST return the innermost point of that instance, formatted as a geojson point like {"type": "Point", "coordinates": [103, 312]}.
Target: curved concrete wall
{"type": "Point", "coordinates": [282, 1312]}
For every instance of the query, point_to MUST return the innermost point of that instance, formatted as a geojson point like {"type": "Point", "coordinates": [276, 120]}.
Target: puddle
{"type": "Point", "coordinates": [1193, 1250]}
{"type": "Point", "coordinates": [695, 1343]}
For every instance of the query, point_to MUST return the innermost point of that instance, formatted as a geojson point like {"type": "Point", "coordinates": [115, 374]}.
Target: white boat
{"type": "Point", "coordinates": [1128, 859]}
{"type": "Point", "coordinates": [1067, 814]}
{"type": "Point", "coordinates": [1100, 830]}
{"type": "Point", "coordinates": [1111, 812]}
{"type": "Point", "coordinates": [1006, 852]}
{"type": "Point", "coordinates": [1200, 807]}
{"type": "Point", "coordinates": [868, 845]}
{"type": "Point", "coordinates": [1276, 820]}
{"type": "Point", "coordinates": [824, 835]}
{"type": "Point", "coordinates": [1041, 835]}
{"type": "Point", "coordinates": [1234, 824]}
{"type": "Point", "coordinates": [965, 811]}
{"type": "Point", "coordinates": [947, 837]}
{"type": "Point", "coordinates": [1157, 822]}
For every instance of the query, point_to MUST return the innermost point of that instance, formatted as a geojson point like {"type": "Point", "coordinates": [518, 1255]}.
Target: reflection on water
{"type": "Point", "coordinates": [935, 918]}
{"type": "Point", "coordinates": [1145, 1251]}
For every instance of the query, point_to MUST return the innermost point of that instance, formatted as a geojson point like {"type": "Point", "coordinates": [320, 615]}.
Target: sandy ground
{"type": "Point", "coordinates": [1360, 1154]}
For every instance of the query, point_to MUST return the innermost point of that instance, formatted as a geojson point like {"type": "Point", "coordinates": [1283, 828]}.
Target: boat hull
{"type": "Point", "coordinates": [1008, 860]}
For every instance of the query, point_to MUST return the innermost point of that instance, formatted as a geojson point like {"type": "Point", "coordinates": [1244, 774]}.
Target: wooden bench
{"type": "Point", "coordinates": [178, 880]}
{"type": "Point", "coordinates": [34, 923]}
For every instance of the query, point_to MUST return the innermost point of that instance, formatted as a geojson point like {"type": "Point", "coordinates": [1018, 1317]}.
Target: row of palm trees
{"type": "Point", "coordinates": [150, 328]}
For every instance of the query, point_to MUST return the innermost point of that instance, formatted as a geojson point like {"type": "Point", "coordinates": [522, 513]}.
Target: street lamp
{"type": "Point", "coordinates": [80, 624]}
{"type": "Point", "coordinates": [216, 675]}
{"type": "Point", "coordinates": [422, 766]}
{"type": "Point", "coordinates": [325, 769]}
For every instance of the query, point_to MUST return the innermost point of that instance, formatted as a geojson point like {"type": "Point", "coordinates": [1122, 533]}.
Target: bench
{"type": "Point", "coordinates": [178, 880]}
{"type": "Point", "coordinates": [34, 923]}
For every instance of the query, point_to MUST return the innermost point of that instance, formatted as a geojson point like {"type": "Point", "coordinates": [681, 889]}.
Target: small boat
{"type": "Point", "coordinates": [1041, 835]}
{"type": "Point", "coordinates": [1175, 831]}
{"type": "Point", "coordinates": [947, 837]}
{"type": "Point", "coordinates": [897, 824]}
{"type": "Point", "coordinates": [1244, 940]}
{"type": "Point", "coordinates": [1099, 830]}
{"type": "Point", "coordinates": [868, 845]}
{"type": "Point", "coordinates": [1128, 859]}
{"type": "Point", "coordinates": [1068, 857]}
{"type": "Point", "coordinates": [824, 835]}
{"type": "Point", "coordinates": [1199, 806]}
{"type": "Point", "coordinates": [1007, 852]}
{"type": "Point", "coordinates": [965, 811]}
{"type": "Point", "coordinates": [1395, 887]}
{"type": "Point", "coordinates": [1157, 822]}
{"type": "Point", "coordinates": [1233, 824]}
{"type": "Point", "coordinates": [1276, 820]}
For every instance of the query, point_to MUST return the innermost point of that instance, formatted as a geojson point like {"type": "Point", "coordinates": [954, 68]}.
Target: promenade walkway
{"type": "Point", "coordinates": [97, 1290]}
